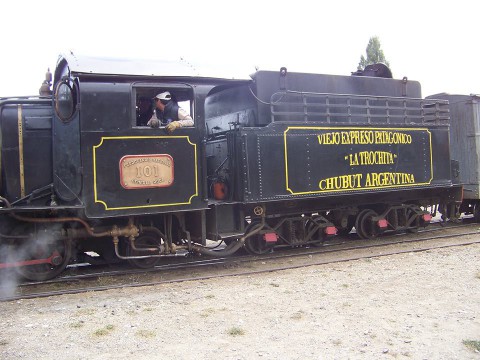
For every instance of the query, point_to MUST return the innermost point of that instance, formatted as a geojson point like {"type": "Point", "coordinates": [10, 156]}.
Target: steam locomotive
{"type": "Point", "coordinates": [277, 159]}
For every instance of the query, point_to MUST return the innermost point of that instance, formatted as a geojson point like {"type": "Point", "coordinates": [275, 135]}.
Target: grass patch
{"type": "Point", "coordinates": [210, 296]}
{"type": "Point", "coordinates": [3, 342]}
{"type": "Point", "coordinates": [472, 345]}
{"type": "Point", "coordinates": [146, 334]}
{"type": "Point", "coordinates": [77, 325]}
{"type": "Point", "coordinates": [298, 315]}
{"type": "Point", "coordinates": [86, 311]}
{"type": "Point", "coordinates": [275, 285]}
{"type": "Point", "coordinates": [104, 331]}
{"type": "Point", "coordinates": [100, 332]}
{"type": "Point", "coordinates": [207, 312]}
{"type": "Point", "coordinates": [236, 331]}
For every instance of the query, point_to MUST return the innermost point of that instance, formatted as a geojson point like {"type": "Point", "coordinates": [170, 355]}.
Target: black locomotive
{"type": "Point", "coordinates": [280, 159]}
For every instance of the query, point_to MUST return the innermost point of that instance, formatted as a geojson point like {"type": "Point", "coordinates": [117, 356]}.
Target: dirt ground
{"type": "Point", "coordinates": [410, 306]}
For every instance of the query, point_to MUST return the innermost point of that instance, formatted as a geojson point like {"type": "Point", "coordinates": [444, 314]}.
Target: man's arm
{"type": "Point", "coordinates": [183, 120]}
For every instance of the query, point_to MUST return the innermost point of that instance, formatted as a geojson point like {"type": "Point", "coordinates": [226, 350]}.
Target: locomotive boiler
{"type": "Point", "coordinates": [277, 159]}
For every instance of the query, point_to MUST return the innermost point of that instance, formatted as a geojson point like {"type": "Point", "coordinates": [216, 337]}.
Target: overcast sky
{"type": "Point", "coordinates": [434, 42]}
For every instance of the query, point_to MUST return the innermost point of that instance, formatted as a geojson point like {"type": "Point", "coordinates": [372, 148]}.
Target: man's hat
{"type": "Point", "coordinates": [164, 96]}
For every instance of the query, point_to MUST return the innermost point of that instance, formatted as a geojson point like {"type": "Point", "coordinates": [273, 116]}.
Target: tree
{"type": "Point", "coordinates": [374, 54]}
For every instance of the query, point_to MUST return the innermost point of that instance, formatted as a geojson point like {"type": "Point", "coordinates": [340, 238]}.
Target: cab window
{"type": "Point", "coordinates": [145, 109]}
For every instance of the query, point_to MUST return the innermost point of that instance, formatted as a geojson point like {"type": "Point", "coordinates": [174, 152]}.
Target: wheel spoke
{"type": "Point", "coordinates": [60, 248]}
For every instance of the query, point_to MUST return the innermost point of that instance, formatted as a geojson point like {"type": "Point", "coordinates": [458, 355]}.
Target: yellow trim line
{"type": "Point", "coordinates": [20, 151]}
{"type": "Point", "coordinates": [97, 200]}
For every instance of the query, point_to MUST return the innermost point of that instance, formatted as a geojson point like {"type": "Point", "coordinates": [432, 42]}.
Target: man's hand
{"type": "Point", "coordinates": [172, 126]}
{"type": "Point", "coordinates": [153, 122]}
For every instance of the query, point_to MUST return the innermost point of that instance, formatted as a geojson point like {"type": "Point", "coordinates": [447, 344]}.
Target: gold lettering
{"type": "Point", "coordinates": [353, 159]}
{"type": "Point", "coordinates": [332, 138]}
{"type": "Point", "coordinates": [371, 158]}
{"type": "Point", "coordinates": [342, 182]}
{"type": "Point", "coordinates": [388, 179]}
{"type": "Point", "coordinates": [364, 137]}
{"type": "Point", "coordinates": [390, 137]}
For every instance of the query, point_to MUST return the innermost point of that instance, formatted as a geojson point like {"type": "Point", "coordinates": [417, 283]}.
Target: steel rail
{"type": "Point", "coordinates": [273, 269]}
{"type": "Point", "coordinates": [284, 252]}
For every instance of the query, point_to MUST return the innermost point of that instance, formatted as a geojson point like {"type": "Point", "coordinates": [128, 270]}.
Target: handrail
{"type": "Point", "coordinates": [323, 107]}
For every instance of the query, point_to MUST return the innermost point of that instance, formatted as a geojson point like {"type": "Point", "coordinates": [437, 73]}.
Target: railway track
{"type": "Point", "coordinates": [339, 250]}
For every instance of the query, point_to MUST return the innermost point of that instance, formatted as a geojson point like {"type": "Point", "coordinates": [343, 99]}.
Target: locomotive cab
{"type": "Point", "coordinates": [116, 164]}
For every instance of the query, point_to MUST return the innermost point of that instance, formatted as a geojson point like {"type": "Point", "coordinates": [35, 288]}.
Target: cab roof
{"type": "Point", "coordinates": [79, 64]}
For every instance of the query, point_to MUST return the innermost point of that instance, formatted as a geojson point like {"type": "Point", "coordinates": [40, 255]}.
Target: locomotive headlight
{"type": "Point", "coordinates": [64, 101]}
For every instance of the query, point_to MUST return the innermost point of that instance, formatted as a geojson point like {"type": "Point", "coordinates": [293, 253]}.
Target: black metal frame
{"type": "Point", "coordinates": [327, 108]}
